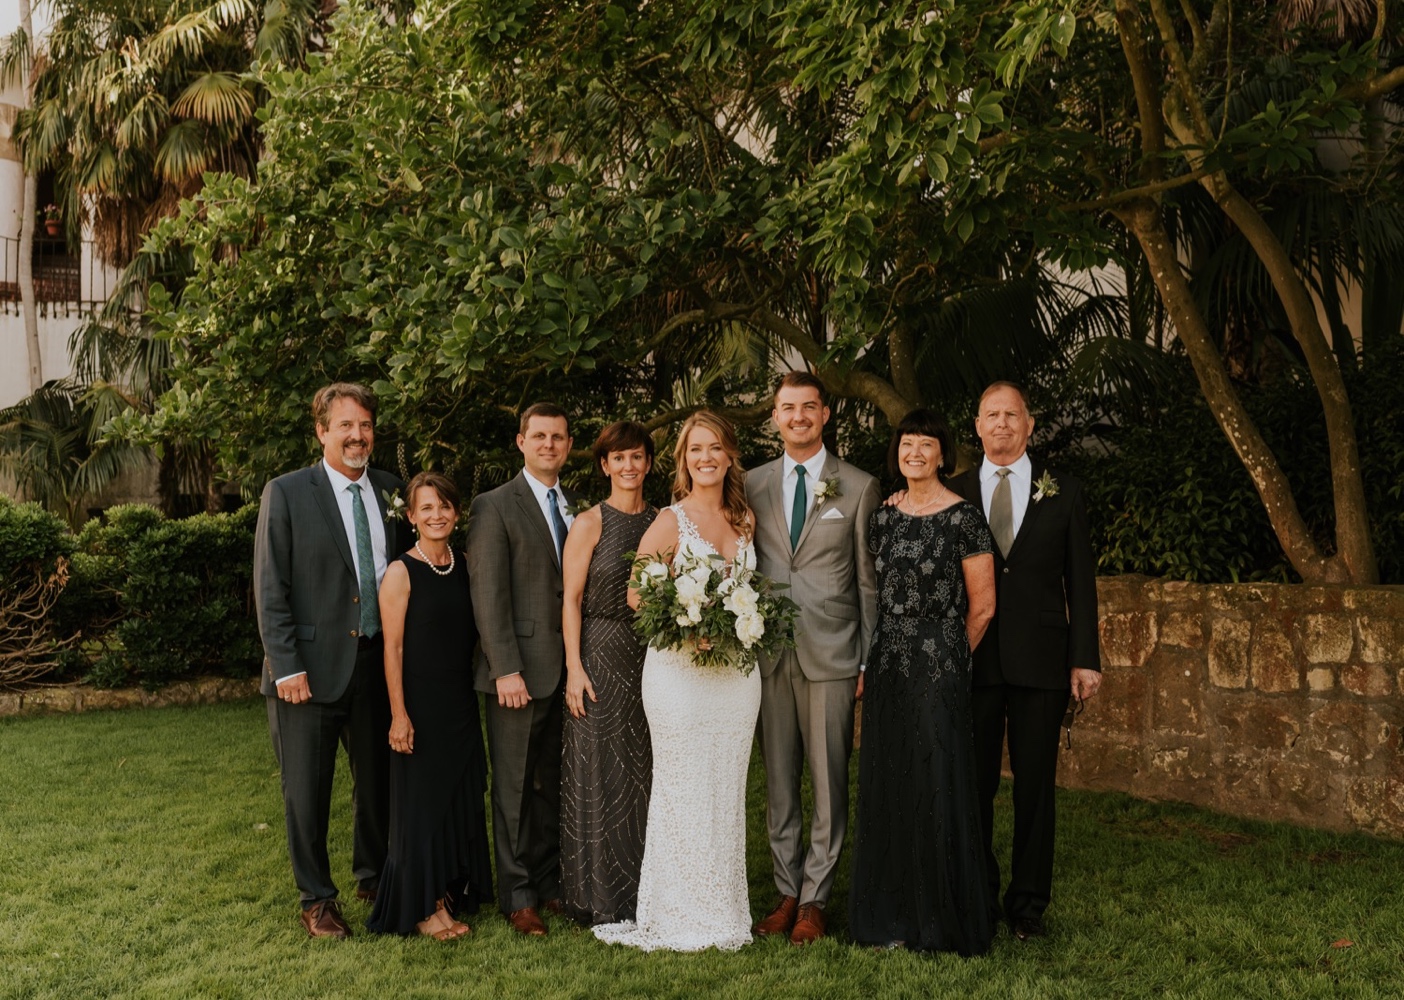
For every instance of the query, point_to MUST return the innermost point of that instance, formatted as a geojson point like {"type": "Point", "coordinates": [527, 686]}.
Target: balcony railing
{"type": "Point", "coordinates": [69, 279]}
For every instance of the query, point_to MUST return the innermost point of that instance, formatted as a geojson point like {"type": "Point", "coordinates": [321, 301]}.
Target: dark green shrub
{"type": "Point", "coordinates": [183, 595]}
{"type": "Point", "coordinates": [30, 539]}
{"type": "Point", "coordinates": [34, 550]}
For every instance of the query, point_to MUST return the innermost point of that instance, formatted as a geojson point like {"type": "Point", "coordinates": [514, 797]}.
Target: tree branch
{"type": "Point", "coordinates": [1131, 194]}
{"type": "Point", "coordinates": [1128, 25]}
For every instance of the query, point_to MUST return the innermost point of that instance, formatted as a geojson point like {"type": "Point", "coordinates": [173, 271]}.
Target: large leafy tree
{"type": "Point", "coordinates": [496, 200]}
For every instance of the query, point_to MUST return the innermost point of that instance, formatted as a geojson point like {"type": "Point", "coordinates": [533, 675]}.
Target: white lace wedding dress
{"type": "Point", "coordinates": [692, 886]}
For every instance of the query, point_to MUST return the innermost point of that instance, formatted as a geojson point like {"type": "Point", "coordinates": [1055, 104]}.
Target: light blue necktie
{"type": "Point", "coordinates": [797, 512]}
{"type": "Point", "coordinates": [365, 564]}
{"type": "Point", "coordinates": [558, 525]}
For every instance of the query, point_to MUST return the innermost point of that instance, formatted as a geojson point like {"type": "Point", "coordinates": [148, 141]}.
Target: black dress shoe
{"type": "Point", "coordinates": [1028, 927]}
{"type": "Point", "coordinates": [366, 894]}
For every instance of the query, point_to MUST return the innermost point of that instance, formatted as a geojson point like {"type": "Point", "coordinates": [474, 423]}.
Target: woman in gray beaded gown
{"type": "Point", "coordinates": [606, 760]}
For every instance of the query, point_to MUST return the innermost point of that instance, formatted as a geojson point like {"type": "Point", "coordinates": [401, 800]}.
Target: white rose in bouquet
{"type": "Point", "coordinates": [741, 600]}
{"type": "Point", "coordinates": [692, 593]}
{"type": "Point", "coordinates": [750, 629]}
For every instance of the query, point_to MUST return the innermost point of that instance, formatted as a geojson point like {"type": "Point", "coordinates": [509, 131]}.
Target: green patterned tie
{"type": "Point", "coordinates": [365, 563]}
{"type": "Point", "coordinates": [798, 510]}
{"type": "Point", "coordinates": [1002, 513]}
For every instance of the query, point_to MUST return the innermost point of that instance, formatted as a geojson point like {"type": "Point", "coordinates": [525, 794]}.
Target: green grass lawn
{"type": "Point", "coordinates": [142, 855]}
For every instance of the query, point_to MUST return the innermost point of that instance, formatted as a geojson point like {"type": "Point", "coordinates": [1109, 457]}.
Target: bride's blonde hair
{"type": "Point", "coordinates": [734, 504]}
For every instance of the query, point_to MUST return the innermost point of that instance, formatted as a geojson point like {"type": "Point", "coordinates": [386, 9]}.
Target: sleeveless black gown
{"type": "Point", "coordinates": [607, 759]}
{"type": "Point", "coordinates": [438, 823]}
{"type": "Point", "coordinates": [919, 874]}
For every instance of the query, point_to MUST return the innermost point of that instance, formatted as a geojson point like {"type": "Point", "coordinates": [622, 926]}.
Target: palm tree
{"type": "Point", "coordinates": [133, 102]}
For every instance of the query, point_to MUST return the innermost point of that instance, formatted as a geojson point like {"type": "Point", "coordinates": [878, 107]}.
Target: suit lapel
{"type": "Point", "coordinates": [1031, 512]}
{"type": "Point", "coordinates": [829, 471]}
{"type": "Point", "coordinates": [773, 497]}
{"type": "Point", "coordinates": [531, 510]}
{"type": "Point", "coordinates": [326, 499]}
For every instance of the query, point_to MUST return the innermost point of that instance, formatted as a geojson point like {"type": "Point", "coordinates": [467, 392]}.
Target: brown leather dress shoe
{"type": "Point", "coordinates": [324, 920]}
{"type": "Point", "coordinates": [779, 920]}
{"type": "Point", "coordinates": [527, 921]}
{"type": "Point", "coordinates": [554, 906]}
{"type": "Point", "coordinates": [366, 894]}
{"type": "Point", "coordinates": [809, 924]}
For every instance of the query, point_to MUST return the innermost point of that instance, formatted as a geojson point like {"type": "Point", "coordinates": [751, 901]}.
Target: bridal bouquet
{"type": "Point", "coordinates": [724, 615]}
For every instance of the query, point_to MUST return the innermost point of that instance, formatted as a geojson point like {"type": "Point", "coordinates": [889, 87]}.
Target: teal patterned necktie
{"type": "Point", "coordinates": [365, 564]}
{"type": "Point", "coordinates": [797, 512]}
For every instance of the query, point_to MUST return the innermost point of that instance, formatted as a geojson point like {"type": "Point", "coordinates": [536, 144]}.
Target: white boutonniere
{"type": "Point", "coordinates": [394, 505]}
{"type": "Point", "coordinates": [826, 489]}
{"type": "Point", "coordinates": [579, 507]}
{"type": "Point", "coordinates": [1046, 485]}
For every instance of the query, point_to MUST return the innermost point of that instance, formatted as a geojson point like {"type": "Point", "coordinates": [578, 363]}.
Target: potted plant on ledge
{"type": "Point", "coordinates": [53, 220]}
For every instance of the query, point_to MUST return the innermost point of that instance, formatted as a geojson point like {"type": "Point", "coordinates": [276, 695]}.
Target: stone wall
{"type": "Point", "coordinates": [82, 698]}
{"type": "Point", "coordinates": [1261, 700]}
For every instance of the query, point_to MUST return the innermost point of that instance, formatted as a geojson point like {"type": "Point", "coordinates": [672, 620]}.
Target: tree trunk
{"type": "Point", "coordinates": [29, 211]}
{"type": "Point", "coordinates": [1144, 221]}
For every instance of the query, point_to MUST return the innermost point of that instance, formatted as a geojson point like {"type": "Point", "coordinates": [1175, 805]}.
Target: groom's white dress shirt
{"type": "Point", "coordinates": [813, 470]}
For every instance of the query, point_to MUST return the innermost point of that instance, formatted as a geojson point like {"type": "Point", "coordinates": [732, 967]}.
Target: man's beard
{"type": "Point", "coordinates": [356, 461]}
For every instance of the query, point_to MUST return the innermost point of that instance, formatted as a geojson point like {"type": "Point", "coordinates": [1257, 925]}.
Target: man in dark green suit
{"type": "Point", "coordinates": [515, 537]}
{"type": "Point", "coordinates": [320, 549]}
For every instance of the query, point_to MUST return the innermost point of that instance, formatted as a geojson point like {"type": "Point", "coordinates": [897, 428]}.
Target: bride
{"type": "Point", "coordinates": [692, 886]}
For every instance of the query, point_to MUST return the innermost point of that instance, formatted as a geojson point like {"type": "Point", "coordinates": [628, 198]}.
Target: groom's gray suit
{"type": "Point", "coordinates": [807, 693]}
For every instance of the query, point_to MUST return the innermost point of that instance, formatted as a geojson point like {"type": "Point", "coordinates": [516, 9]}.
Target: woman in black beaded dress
{"type": "Point", "coordinates": [918, 870]}
{"type": "Point", "coordinates": [607, 758]}
{"type": "Point", "coordinates": [438, 863]}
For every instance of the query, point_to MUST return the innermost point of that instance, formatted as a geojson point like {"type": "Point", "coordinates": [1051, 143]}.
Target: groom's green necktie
{"type": "Point", "coordinates": [797, 512]}
{"type": "Point", "coordinates": [365, 564]}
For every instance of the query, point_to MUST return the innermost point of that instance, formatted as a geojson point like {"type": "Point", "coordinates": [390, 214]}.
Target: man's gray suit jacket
{"type": "Point", "coordinates": [517, 591]}
{"type": "Point", "coordinates": [305, 586]}
{"type": "Point", "coordinates": [830, 572]}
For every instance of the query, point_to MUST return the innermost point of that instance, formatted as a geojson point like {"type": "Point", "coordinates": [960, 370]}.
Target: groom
{"type": "Point", "coordinates": [812, 515]}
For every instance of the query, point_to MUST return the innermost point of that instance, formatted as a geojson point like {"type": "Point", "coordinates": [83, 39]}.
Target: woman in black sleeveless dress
{"type": "Point", "coordinates": [918, 862]}
{"type": "Point", "coordinates": [607, 759]}
{"type": "Point", "coordinates": [438, 862]}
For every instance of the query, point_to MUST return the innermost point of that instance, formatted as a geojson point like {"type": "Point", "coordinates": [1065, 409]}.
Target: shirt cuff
{"type": "Point", "coordinates": [280, 680]}
{"type": "Point", "coordinates": [862, 668]}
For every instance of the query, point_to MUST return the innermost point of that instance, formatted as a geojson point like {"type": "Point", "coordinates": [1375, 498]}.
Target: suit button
{"type": "Point", "coordinates": [559, 594]}
{"type": "Point", "coordinates": [1006, 569]}
{"type": "Point", "coordinates": [558, 628]}
{"type": "Point", "coordinates": [353, 633]}
{"type": "Point", "coordinates": [355, 600]}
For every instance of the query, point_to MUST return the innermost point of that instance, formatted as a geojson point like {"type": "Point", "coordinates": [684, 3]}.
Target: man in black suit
{"type": "Point", "coordinates": [320, 549]}
{"type": "Point", "coordinates": [515, 537]}
{"type": "Point", "coordinates": [1041, 646]}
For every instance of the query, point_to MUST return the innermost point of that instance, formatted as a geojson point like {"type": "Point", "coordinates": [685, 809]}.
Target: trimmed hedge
{"type": "Point", "coordinates": [150, 599]}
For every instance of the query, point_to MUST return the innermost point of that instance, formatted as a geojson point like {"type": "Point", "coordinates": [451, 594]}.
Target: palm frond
{"type": "Point", "coordinates": [218, 98]}
{"type": "Point", "coordinates": [184, 153]}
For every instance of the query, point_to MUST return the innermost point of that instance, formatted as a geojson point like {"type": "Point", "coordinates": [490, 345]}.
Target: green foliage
{"type": "Point", "coordinates": [148, 600]}
{"type": "Point", "coordinates": [31, 539]}
{"type": "Point", "coordinates": [182, 593]}
{"type": "Point", "coordinates": [1167, 497]}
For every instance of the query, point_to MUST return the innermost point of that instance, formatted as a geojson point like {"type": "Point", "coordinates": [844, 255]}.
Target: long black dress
{"type": "Point", "coordinates": [438, 824]}
{"type": "Point", "coordinates": [607, 757]}
{"type": "Point", "coordinates": [918, 868]}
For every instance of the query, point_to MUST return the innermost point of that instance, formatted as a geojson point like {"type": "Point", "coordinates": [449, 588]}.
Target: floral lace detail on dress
{"type": "Point", "coordinates": [921, 585]}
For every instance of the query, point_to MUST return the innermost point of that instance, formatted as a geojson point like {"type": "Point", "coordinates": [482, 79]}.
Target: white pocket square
{"type": "Point", "coordinates": [832, 512]}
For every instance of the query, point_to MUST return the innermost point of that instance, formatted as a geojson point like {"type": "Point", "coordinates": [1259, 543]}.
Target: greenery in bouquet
{"type": "Point", "coordinates": [725, 615]}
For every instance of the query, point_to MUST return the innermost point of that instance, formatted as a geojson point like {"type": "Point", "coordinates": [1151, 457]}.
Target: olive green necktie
{"type": "Point", "coordinates": [365, 564]}
{"type": "Point", "coordinates": [1002, 513]}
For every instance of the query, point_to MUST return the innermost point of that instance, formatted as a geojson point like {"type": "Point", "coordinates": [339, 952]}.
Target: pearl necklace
{"type": "Point", "coordinates": [441, 572]}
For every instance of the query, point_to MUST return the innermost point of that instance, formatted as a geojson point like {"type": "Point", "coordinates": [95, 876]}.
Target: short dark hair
{"type": "Point", "coordinates": [550, 410]}
{"type": "Point", "coordinates": [801, 380]}
{"type": "Point", "coordinates": [326, 396]}
{"type": "Point", "coordinates": [926, 423]}
{"type": "Point", "coordinates": [622, 435]}
{"type": "Point", "coordinates": [440, 484]}
{"type": "Point", "coordinates": [1023, 393]}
